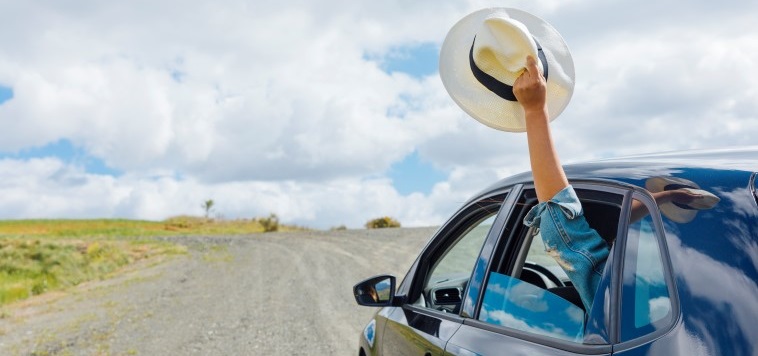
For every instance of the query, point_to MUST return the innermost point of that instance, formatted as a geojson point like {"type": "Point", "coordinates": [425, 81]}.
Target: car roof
{"type": "Point", "coordinates": [696, 165]}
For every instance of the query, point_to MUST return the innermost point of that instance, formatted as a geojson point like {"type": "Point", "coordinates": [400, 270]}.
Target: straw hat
{"type": "Point", "coordinates": [486, 51]}
{"type": "Point", "coordinates": [681, 213]}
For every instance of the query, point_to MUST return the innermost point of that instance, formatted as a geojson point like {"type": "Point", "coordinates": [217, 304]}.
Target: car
{"type": "Point", "coordinates": [681, 279]}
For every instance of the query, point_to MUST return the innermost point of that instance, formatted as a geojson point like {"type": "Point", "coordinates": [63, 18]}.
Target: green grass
{"type": "Point", "coordinates": [37, 256]}
{"type": "Point", "coordinates": [34, 266]}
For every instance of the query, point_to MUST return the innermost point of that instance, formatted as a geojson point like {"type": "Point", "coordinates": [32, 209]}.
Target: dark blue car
{"type": "Point", "coordinates": [681, 279]}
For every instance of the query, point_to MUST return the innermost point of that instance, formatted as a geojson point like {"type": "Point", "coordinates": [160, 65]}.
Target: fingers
{"type": "Point", "coordinates": [685, 196]}
{"type": "Point", "coordinates": [530, 88]}
{"type": "Point", "coordinates": [531, 65]}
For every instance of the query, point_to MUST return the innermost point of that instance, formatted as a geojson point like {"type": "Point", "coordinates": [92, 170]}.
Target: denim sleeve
{"type": "Point", "coordinates": [566, 200]}
{"type": "Point", "coordinates": [577, 248]}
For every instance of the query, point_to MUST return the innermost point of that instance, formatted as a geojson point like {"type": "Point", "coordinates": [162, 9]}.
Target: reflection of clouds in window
{"type": "Point", "coordinates": [649, 266]}
{"type": "Point", "coordinates": [521, 294]}
{"type": "Point", "coordinates": [659, 308]}
{"type": "Point", "coordinates": [498, 289]}
{"type": "Point", "coordinates": [528, 297]}
{"type": "Point", "coordinates": [645, 293]}
{"type": "Point", "coordinates": [575, 314]}
{"type": "Point", "coordinates": [469, 301]}
{"type": "Point", "coordinates": [500, 317]}
{"type": "Point", "coordinates": [516, 304]}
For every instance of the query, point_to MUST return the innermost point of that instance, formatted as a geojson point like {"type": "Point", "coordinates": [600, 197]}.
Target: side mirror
{"type": "Point", "coordinates": [376, 291]}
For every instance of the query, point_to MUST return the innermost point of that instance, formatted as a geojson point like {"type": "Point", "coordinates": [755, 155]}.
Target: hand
{"type": "Point", "coordinates": [680, 196]}
{"type": "Point", "coordinates": [530, 88]}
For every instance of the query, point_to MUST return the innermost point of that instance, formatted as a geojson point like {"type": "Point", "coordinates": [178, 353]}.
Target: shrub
{"type": "Point", "coordinates": [269, 224]}
{"type": "Point", "coordinates": [383, 222]}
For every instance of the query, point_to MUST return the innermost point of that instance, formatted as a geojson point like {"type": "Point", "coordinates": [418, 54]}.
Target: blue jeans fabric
{"type": "Point", "coordinates": [579, 250]}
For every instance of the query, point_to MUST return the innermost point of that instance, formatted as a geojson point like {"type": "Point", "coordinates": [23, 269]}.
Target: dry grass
{"type": "Point", "coordinates": [119, 228]}
{"type": "Point", "coordinates": [35, 266]}
{"type": "Point", "coordinates": [37, 256]}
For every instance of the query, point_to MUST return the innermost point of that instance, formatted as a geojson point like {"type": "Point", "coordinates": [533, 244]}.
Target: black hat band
{"type": "Point", "coordinates": [502, 90]}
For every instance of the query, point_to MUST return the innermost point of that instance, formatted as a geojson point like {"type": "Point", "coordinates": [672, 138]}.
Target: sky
{"type": "Point", "coordinates": [331, 113]}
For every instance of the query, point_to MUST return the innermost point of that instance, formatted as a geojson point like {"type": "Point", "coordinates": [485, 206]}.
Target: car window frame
{"type": "Point", "coordinates": [504, 243]}
{"type": "Point", "coordinates": [460, 222]}
{"type": "Point", "coordinates": [660, 234]}
{"type": "Point", "coordinates": [753, 186]}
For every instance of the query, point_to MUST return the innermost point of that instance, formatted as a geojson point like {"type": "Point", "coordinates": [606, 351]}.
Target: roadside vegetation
{"type": "Point", "coordinates": [37, 256]}
{"type": "Point", "coordinates": [381, 223]}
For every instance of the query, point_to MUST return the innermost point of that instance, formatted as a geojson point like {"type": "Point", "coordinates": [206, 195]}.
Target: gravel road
{"type": "Point", "coordinates": [265, 294]}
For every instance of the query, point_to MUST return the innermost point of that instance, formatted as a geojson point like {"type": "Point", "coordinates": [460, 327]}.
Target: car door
{"type": "Point", "coordinates": [526, 304]}
{"type": "Point", "coordinates": [429, 315]}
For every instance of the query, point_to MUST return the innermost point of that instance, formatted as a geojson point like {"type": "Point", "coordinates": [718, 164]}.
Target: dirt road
{"type": "Point", "coordinates": [267, 294]}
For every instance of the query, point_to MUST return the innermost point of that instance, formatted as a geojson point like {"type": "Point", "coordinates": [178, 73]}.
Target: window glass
{"type": "Point", "coordinates": [462, 256]}
{"type": "Point", "coordinates": [449, 276]}
{"type": "Point", "coordinates": [529, 303]}
{"type": "Point", "coordinates": [645, 300]}
{"type": "Point", "coordinates": [516, 304]}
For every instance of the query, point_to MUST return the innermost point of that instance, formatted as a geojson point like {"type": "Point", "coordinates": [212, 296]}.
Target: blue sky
{"type": "Point", "coordinates": [418, 60]}
{"type": "Point", "coordinates": [68, 153]}
{"type": "Point", "coordinates": [413, 174]}
{"type": "Point", "coordinates": [6, 93]}
{"type": "Point", "coordinates": [331, 113]}
{"type": "Point", "coordinates": [62, 149]}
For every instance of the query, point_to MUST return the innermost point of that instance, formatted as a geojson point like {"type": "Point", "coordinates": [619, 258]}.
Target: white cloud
{"type": "Point", "coordinates": [49, 188]}
{"type": "Point", "coordinates": [274, 107]}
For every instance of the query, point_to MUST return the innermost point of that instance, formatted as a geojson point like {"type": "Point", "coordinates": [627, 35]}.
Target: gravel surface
{"type": "Point", "coordinates": [265, 294]}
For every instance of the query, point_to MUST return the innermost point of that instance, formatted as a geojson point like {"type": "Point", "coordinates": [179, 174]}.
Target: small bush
{"type": "Point", "coordinates": [269, 224]}
{"type": "Point", "coordinates": [383, 222]}
{"type": "Point", "coordinates": [339, 228]}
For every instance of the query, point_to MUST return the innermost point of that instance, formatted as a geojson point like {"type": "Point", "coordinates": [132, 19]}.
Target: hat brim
{"type": "Point", "coordinates": [671, 210]}
{"type": "Point", "coordinates": [481, 103]}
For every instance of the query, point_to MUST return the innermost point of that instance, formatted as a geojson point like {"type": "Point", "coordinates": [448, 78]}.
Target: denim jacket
{"type": "Point", "coordinates": [577, 248]}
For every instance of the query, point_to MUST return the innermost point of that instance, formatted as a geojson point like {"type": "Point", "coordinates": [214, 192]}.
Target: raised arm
{"type": "Point", "coordinates": [529, 89]}
{"type": "Point", "coordinates": [680, 196]}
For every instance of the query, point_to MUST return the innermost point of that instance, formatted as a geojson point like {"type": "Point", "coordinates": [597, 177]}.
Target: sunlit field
{"type": "Point", "coordinates": [38, 256]}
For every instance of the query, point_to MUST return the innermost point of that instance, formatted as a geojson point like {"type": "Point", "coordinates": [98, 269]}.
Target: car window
{"type": "Point", "coordinates": [450, 274]}
{"type": "Point", "coordinates": [461, 257]}
{"type": "Point", "coordinates": [516, 304]}
{"type": "Point", "coordinates": [529, 291]}
{"type": "Point", "coordinates": [530, 302]}
{"type": "Point", "coordinates": [645, 300]}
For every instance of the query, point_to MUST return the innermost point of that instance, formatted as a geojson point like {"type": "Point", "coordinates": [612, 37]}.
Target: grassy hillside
{"type": "Point", "coordinates": [37, 256]}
